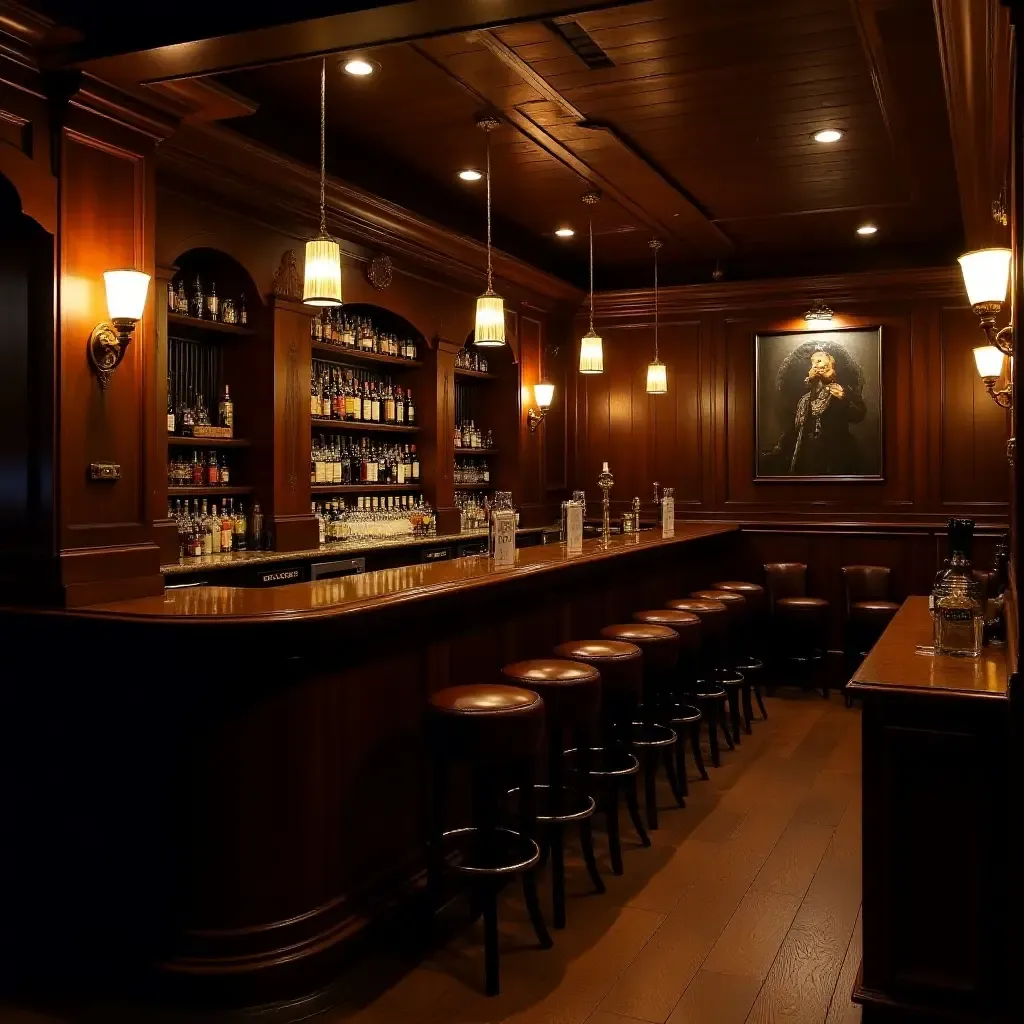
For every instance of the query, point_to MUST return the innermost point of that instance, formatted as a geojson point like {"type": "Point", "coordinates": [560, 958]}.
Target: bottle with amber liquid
{"type": "Point", "coordinates": [958, 613]}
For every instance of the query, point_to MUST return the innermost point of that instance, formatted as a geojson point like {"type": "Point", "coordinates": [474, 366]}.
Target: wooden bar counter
{"type": "Point", "coordinates": [228, 785]}
{"type": "Point", "coordinates": [935, 763]}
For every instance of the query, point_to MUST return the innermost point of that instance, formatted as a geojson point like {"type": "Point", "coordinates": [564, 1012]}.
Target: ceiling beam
{"type": "Point", "coordinates": [235, 36]}
{"type": "Point", "coordinates": [690, 225]}
{"type": "Point", "coordinates": [975, 48]}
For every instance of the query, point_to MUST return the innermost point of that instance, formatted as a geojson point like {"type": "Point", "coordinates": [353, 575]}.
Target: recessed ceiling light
{"type": "Point", "coordinates": [866, 229]}
{"type": "Point", "coordinates": [828, 135]}
{"type": "Point", "coordinates": [359, 67]}
{"type": "Point", "coordinates": [470, 175]}
{"type": "Point", "coordinates": [565, 232]}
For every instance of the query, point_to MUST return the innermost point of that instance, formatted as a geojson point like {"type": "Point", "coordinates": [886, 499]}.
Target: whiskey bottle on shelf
{"type": "Point", "coordinates": [225, 471]}
{"type": "Point", "coordinates": [212, 471]}
{"type": "Point", "coordinates": [170, 408]}
{"type": "Point", "coordinates": [243, 313]}
{"type": "Point", "coordinates": [239, 530]}
{"type": "Point", "coordinates": [213, 303]}
{"type": "Point", "coordinates": [226, 410]}
{"type": "Point", "coordinates": [226, 526]}
{"type": "Point", "coordinates": [958, 614]}
{"type": "Point", "coordinates": [197, 304]}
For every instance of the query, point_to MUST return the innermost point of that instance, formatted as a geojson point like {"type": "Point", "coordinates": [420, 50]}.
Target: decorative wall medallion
{"type": "Point", "coordinates": [380, 272]}
{"type": "Point", "coordinates": [287, 281]}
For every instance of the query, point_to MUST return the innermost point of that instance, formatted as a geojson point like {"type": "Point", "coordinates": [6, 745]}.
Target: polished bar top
{"type": "Point", "coordinates": [349, 594]}
{"type": "Point", "coordinates": [335, 549]}
{"type": "Point", "coordinates": [894, 666]}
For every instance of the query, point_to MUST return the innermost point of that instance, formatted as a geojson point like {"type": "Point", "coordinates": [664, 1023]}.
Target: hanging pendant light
{"type": "Point", "coordinates": [591, 347]}
{"type": "Point", "coordinates": [657, 375]}
{"type": "Point", "coordinates": [322, 286]}
{"type": "Point", "coordinates": [490, 308]}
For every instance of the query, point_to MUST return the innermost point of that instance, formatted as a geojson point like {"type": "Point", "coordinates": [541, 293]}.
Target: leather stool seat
{"type": "Point", "coordinates": [699, 606]}
{"type": "Point", "coordinates": [732, 600]}
{"type": "Point", "coordinates": [620, 665]}
{"type": "Point", "coordinates": [874, 610]}
{"type": "Point", "coordinates": [486, 721]}
{"type": "Point", "coordinates": [800, 603]}
{"type": "Point", "coordinates": [753, 593]}
{"type": "Point", "coordinates": [659, 644]}
{"type": "Point", "coordinates": [571, 689]}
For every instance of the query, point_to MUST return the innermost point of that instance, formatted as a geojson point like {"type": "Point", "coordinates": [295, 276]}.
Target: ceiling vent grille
{"type": "Point", "coordinates": [582, 45]}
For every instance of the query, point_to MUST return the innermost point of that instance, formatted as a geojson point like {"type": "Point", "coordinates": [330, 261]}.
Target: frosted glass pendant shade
{"type": "Point", "coordinates": [986, 274]}
{"type": "Point", "coordinates": [591, 353]}
{"type": "Point", "coordinates": [544, 392]}
{"type": "Point", "coordinates": [989, 361]}
{"type": "Point", "coordinates": [323, 272]}
{"type": "Point", "coordinates": [657, 378]}
{"type": "Point", "coordinates": [490, 321]}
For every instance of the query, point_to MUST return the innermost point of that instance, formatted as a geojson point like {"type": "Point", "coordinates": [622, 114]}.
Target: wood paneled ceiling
{"type": "Point", "coordinates": [697, 128]}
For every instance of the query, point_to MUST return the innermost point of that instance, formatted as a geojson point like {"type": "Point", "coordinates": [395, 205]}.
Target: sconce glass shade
{"type": "Point", "coordinates": [490, 321]}
{"type": "Point", "coordinates": [126, 293]}
{"type": "Point", "coordinates": [986, 274]}
{"type": "Point", "coordinates": [591, 353]}
{"type": "Point", "coordinates": [989, 361]}
{"type": "Point", "coordinates": [322, 286]}
{"type": "Point", "coordinates": [657, 378]}
{"type": "Point", "coordinates": [544, 393]}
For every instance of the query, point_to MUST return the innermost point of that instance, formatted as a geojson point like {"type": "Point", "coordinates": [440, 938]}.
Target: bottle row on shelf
{"type": "Point", "coordinates": [474, 510]}
{"type": "Point", "coordinates": [199, 471]}
{"type": "Point", "coordinates": [201, 303]}
{"type": "Point", "coordinates": [375, 518]}
{"type": "Point", "coordinates": [471, 359]}
{"type": "Point", "coordinates": [469, 435]}
{"type": "Point", "coordinates": [345, 461]}
{"type": "Point", "coordinates": [187, 408]}
{"type": "Point", "coordinates": [203, 531]}
{"type": "Point", "coordinates": [355, 396]}
{"type": "Point", "coordinates": [471, 471]}
{"type": "Point", "coordinates": [360, 334]}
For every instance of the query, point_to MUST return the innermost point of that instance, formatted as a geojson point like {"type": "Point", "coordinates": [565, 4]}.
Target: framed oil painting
{"type": "Point", "coordinates": [818, 405]}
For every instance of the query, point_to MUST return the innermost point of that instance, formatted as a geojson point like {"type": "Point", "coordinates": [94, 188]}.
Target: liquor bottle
{"type": "Point", "coordinates": [382, 467]}
{"type": "Point", "coordinates": [389, 406]}
{"type": "Point", "coordinates": [172, 302]}
{"type": "Point", "coordinates": [410, 408]}
{"type": "Point", "coordinates": [367, 412]}
{"type": "Point", "coordinates": [170, 407]}
{"type": "Point", "coordinates": [240, 530]}
{"type": "Point", "coordinates": [198, 303]}
{"type": "Point", "coordinates": [399, 407]}
{"type": "Point", "coordinates": [212, 473]}
{"type": "Point", "coordinates": [226, 410]}
{"type": "Point", "coordinates": [197, 470]}
{"type": "Point", "coordinates": [214, 531]}
{"type": "Point", "coordinates": [226, 526]}
{"type": "Point", "coordinates": [181, 299]}
{"type": "Point", "coordinates": [256, 529]}
{"type": "Point", "coordinates": [225, 471]}
{"type": "Point", "coordinates": [958, 616]}
{"type": "Point", "coordinates": [243, 313]}
{"type": "Point", "coordinates": [213, 303]}
{"type": "Point", "coordinates": [375, 403]}
{"type": "Point", "coordinates": [206, 521]}
{"type": "Point", "coordinates": [314, 396]}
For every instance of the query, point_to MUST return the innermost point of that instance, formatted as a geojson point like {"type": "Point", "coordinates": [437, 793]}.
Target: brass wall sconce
{"type": "Point", "coordinates": [989, 361]}
{"type": "Point", "coordinates": [818, 311]}
{"type": "Point", "coordinates": [987, 276]}
{"type": "Point", "coordinates": [544, 393]}
{"type": "Point", "coordinates": [126, 302]}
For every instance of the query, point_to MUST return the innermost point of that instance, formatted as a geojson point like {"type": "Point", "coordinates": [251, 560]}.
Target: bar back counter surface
{"type": "Point", "coordinates": [229, 784]}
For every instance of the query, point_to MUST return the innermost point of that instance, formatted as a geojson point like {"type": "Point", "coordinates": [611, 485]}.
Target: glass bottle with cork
{"type": "Point", "coordinates": [958, 614]}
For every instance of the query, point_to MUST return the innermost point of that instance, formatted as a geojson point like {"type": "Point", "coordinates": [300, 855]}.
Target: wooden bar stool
{"type": "Point", "coordinates": [612, 765]}
{"type": "Point", "coordinates": [671, 704]}
{"type": "Point", "coordinates": [572, 703]}
{"type": "Point", "coordinates": [649, 737]}
{"type": "Point", "coordinates": [751, 663]}
{"type": "Point", "coordinates": [800, 620]}
{"type": "Point", "coordinates": [868, 608]}
{"type": "Point", "coordinates": [707, 690]}
{"type": "Point", "coordinates": [494, 729]}
{"type": "Point", "coordinates": [735, 682]}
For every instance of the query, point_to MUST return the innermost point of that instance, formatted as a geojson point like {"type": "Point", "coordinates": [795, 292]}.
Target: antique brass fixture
{"type": "Point", "coordinates": [657, 374]}
{"type": "Point", "coordinates": [126, 302]}
{"type": "Point", "coordinates": [490, 307]}
{"type": "Point", "coordinates": [987, 277]}
{"type": "Point", "coordinates": [591, 347]}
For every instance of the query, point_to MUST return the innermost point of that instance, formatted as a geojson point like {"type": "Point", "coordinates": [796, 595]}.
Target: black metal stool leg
{"type": "Point", "coordinates": [723, 724]}
{"type": "Point", "coordinates": [760, 701]}
{"type": "Point", "coordinates": [734, 711]}
{"type": "Point", "coordinates": [435, 852]}
{"type": "Point", "coordinates": [698, 754]}
{"type": "Point", "coordinates": [633, 804]}
{"type": "Point", "coordinates": [748, 710]}
{"type": "Point", "coordinates": [612, 817]}
{"type": "Point", "coordinates": [680, 767]}
{"type": "Point", "coordinates": [650, 790]}
{"type": "Point", "coordinates": [557, 875]}
{"type": "Point", "coordinates": [489, 898]}
{"type": "Point", "coordinates": [711, 713]}
{"type": "Point", "coordinates": [673, 775]}
{"type": "Point", "coordinates": [587, 844]}
{"type": "Point", "coordinates": [533, 909]}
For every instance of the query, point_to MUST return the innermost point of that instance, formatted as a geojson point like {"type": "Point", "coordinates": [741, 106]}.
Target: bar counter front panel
{"type": "Point", "coordinates": [230, 784]}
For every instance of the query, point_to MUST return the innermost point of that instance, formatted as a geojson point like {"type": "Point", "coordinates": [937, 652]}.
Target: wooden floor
{"type": "Point", "coordinates": [745, 909]}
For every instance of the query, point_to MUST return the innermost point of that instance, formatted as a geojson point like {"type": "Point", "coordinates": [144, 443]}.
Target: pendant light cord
{"type": "Point", "coordinates": [656, 305]}
{"type": "Point", "coordinates": [323, 133]}
{"type": "Point", "coordinates": [590, 229]}
{"type": "Point", "coordinates": [490, 276]}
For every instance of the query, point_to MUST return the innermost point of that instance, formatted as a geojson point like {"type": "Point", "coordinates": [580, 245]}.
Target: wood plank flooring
{"type": "Point", "coordinates": [745, 909]}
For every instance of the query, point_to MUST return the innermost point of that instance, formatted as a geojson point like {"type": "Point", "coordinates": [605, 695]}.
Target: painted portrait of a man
{"type": "Point", "coordinates": [819, 405]}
